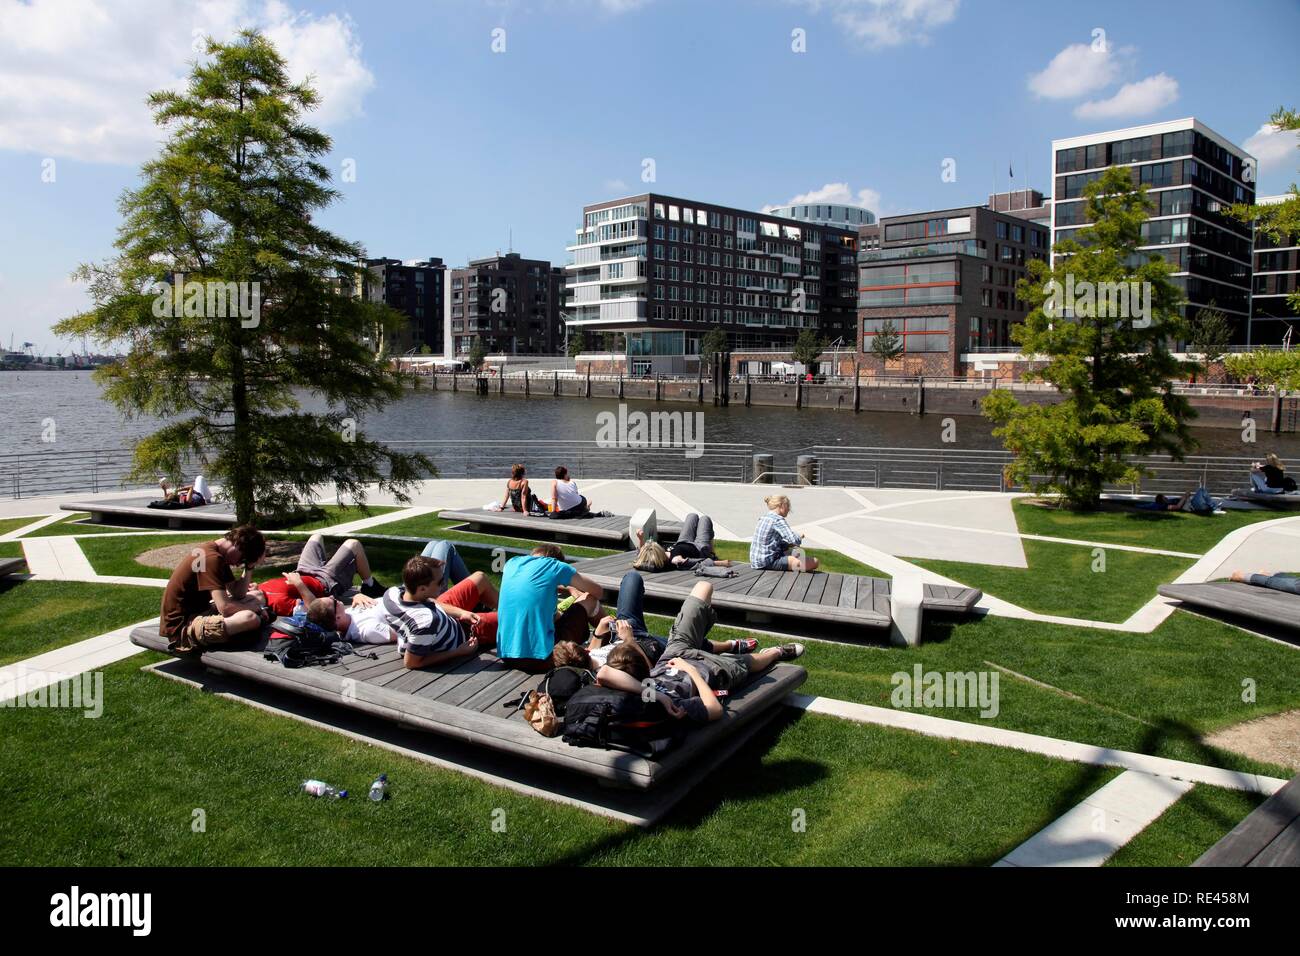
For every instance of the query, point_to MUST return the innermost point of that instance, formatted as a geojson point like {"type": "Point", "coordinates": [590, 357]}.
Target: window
{"type": "Point", "coordinates": [928, 333]}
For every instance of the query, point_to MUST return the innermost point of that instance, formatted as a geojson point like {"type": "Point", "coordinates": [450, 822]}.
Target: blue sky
{"type": "Point", "coordinates": [455, 145]}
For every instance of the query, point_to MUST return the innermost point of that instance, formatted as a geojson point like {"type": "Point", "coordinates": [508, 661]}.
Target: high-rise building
{"type": "Point", "coordinates": [945, 281]}
{"type": "Point", "coordinates": [509, 303]}
{"type": "Point", "coordinates": [415, 288]}
{"type": "Point", "coordinates": [1277, 276]}
{"type": "Point", "coordinates": [665, 271]}
{"type": "Point", "coordinates": [1192, 174]}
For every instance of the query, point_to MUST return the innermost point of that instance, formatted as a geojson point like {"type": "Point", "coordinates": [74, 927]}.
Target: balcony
{"type": "Point", "coordinates": [964, 247]}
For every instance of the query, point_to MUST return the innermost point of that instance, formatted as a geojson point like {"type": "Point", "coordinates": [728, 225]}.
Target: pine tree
{"type": "Point", "coordinates": [886, 344]}
{"type": "Point", "coordinates": [224, 213]}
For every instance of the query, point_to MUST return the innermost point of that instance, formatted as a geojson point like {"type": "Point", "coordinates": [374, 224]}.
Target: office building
{"type": "Point", "coordinates": [509, 303]}
{"type": "Point", "coordinates": [414, 288]}
{"type": "Point", "coordinates": [1277, 277]}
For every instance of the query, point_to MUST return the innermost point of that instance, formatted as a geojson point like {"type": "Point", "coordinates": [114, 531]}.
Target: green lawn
{"type": "Point", "coordinates": [78, 523]}
{"type": "Point", "coordinates": [116, 556]}
{"type": "Point", "coordinates": [1187, 829]}
{"type": "Point", "coordinates": [1061, 579]}
{"type": "Point", "coordinates": [431, 526]}
{"type": "Point", "coordinates": [331, 515]}
{"type": "Point", "coordinates": [1166, 530]}
{"type": "Point", "coordinates": [90, 793]}
{"type": "Point", "coordinates": [38, 616]}
{"type": "Point", "coordinates": [13, 524]}
{"type": "Point", "coordinates": [11, 549]}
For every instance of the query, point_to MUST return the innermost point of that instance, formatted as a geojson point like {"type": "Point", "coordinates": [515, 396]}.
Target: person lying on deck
{"type": "Point", "coordinates": [693, 549]}
{"type": "Point", "coordinates": [565, 500]}
{"type": "Point", "coordinates": [187, 496]}
{"type": "Point", "coordinates": [428, 627]}
{"type": "Point", "coordinates": [530, 587]}
{"type": "Point", "coordinates": [1269, 477]}
{"type": "Point", "coordinates": [772, 547]}
{"type": "Point", "coordinates": [205, 603]}
{"type": "Point", "coordinates": [687, 677]}
{"type": "Point", "coordinates": [320, 576]}
{"type": "Point", "coordinates": [519, 496]}
{"type": "Point", "coordinates": [1274, 582]}
{"type": "Point", "coordinates": [628, 624]}
{"type": "Point", "coordinates": [1197, 502]}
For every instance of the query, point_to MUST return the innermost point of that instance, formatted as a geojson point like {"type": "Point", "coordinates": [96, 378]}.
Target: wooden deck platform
{"type": "Point", "coordinates": [466, 700]}
{"type": "Point", "coordinates": [1284, 500]}
{"type": "Point", "coordinates": [10, 566]}
{"type": "Point", "coordinates": [842, 598]}
{"type": "Point", "coordinates": [1244, 600]}
{"type": "Point", "coordinates": [134, 510]}
{"type": "Point", "coordinates": [611, 530]}
{"type": "Point", "coordinates": [1269, 836]}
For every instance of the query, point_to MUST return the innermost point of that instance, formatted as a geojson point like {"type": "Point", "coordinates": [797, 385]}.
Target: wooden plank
{"type": "Point", "coordinates": [10, 565]}
{"type": "Point", "coordinates": [505, 686]}
{"type": "Point", "coordinates": [447, 681]}
{"type": "Point", "coordinates": [783, 588]}
{"type": "Point", "coordinates": [1277, 818]}
{"type": "Point", "coordinates": [534, 681]}
{"type": "Point", "coordinates": [848, 592]}
{"type": "Point", "coordinates": [1246, 600]}
{"type": "Point", "coordinates": [467, 688]}
{"type": "Point", "coordinates": [866, 593]}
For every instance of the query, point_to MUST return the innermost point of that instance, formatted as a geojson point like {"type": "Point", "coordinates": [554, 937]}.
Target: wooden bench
{"type": "Point", "coordinates": [10, 566]}
{"type": "Point", "coordinates": [132, 510]}
{"type": "Point", "coordinates": [842, 598]}
{"type": "Point", "coordinates": [1284, 500]}
{"type": "Point", "coordinates": [1269, 836]}
{"type": "Point", "coordinates": [468, 701]}
{"type": "Point", "coordinates": [611, 530]}
{"type": "Point", "coordinates": [1244, 600]}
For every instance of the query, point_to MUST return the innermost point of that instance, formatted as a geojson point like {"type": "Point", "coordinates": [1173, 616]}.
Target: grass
{"type": "Point", "coordinates": [11, 549]}
{"type": "Point", "coordinates": [13, 524]}
{"type": "Point", "coordinates": [431, 526]}
{"type": "Point", "coordinates": [90, 793]}
{"type": "Point", "coordinates": [831, 562]}
{"type": "Point", "coordinates": [38, 616]}
{"type": "Point", "coordinates": [117, 555]}
{"type": "Point", "coordinates": [1066, 579]}
{"type": "Point", "coordinates": [1188, 828]}
{"type": "Point", "coordinates": [1166, 530]}
{"type": "Point", "coordinates": [324, 516]}
{"type": "Point", "coordinates": [78, 523]}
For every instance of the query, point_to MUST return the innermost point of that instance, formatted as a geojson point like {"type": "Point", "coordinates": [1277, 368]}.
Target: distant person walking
{"type": "Point", "coordinates": [774, 540]}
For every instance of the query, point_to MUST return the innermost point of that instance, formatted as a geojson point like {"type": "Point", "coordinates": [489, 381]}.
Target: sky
{"type": "Point", "coordinates": [464, 126]}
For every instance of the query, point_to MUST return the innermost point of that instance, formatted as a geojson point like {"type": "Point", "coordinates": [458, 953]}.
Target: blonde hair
{"type": "Point", "coordinates": [776, 501]}
{"type": "Point", "coordinates": [1275, 461]}
{"type": "Point", "coordinates": [651, 557]}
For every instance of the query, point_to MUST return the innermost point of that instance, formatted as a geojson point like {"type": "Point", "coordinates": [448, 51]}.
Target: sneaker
{"type": "Point", "coordinates": [374, 589]}
{"type": "Point", "coordinates": [745, 645]}
{"type": "Point", "coordinates": [790, 651]}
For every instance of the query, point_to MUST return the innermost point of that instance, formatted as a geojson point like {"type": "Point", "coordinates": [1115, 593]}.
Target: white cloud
{"type": "Point", "coordinates": [74, 74]}
{"type": "Point", "coordinates": [1274, 147]}
{"type": "Point", "coordinates": [885, 23]}
{"type": "Point", "coordinates": [837, 194]}
{"type": "Point", "coordinates": [1133, 99]}
{"type": "Point", "coordinates": [1077, 70]}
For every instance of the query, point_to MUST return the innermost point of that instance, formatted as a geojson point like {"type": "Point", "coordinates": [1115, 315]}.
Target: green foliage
{"type": "Point", "coordinates": [477, 353]}
{"type": "Point", "coordinates": [1113, 371]}
{"type": "Point", "coordinates": [577, 343]}
{"type": "Point", "coordinates": [229, 200]}
{"type": "Point", "coordinates": [1280, 370]}
{"type": "Point", "coordinates": [1211, 334]}
{"type": "Point", "coordinates": [808, 348]}
{"type": "Point", "coordinates": [714, 341]}
{"type": "Point", "coordinates": [887, 344]}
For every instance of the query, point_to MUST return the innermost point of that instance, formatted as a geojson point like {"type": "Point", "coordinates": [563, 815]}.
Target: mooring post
{"type": "Point", "coordinates": [747, 384]}
{"type": "Point", "coordinates": [857, 387]}
{"type": "Point", "coordinates": [659, 386]}
{"type": "Point", "coordinates": [588, 390]}
{"type": "Point", "coordinates": [798, 392]}
{"type": "Point", "coordinates": [454, 384]}
{"type": "Point", "coordinates": [555, 386]}
{"type": "Point", "coordinates": [620, 386]}
{"type": "Point", "coordinates": [525, 383]}
{"type": "Point", "coordinates": [920, 395]}
{"type": "Point", "coordinates": [1277, 412]}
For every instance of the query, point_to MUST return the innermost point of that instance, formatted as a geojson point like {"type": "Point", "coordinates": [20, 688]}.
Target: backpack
{"type": "Point", "coordinates": [544, 706]}
{"type": "Point", "coordinates": [306, 645]}
{"type": "Point", "coordinates": [616, 720]}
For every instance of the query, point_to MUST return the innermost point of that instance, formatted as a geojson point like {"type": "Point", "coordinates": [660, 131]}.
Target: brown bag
{"type": "Point", "coordinates": [539, 711]}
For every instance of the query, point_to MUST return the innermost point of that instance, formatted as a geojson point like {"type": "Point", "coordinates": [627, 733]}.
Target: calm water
{"type": "Point", "coordinates": [82, 420]}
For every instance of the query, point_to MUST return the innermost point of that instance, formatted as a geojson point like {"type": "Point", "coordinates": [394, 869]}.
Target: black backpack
{"type": "Point", "coordinates": [306, 645]}
{"type": "Point", "coordinates": [616, 720]}
{"type": "Point", "coordinates": [561, 683]}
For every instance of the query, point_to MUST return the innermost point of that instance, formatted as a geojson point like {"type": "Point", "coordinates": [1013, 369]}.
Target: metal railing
{"type": "Point", "coordinates": [30, 474]}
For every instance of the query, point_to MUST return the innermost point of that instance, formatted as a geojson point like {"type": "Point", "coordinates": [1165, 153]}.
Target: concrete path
{"type": "Point", "coordinates": [1090, 833]}
{"type": "Point", "coordinates": [34, 673]}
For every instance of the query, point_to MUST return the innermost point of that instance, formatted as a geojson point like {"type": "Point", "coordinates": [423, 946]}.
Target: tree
{"type": "Point", "coordinates": [223, 215]}
{"type": "Point", "coordinates": [1211, 334]}
{"type": "Point", "coordinates": [808, 348]}
{"type": "Point", "coordinates": [577, 343]}
{"type": "Point", "coordinates": [886, 344]}
{"type": "Point", "coordinates": [714, 342]}
{"type": "Point", "coordinates": [1279, 222]}
{"type": "Point", "coordinates": [477, 353]}
{"type": "Point", "coordinates": [1104, 319]}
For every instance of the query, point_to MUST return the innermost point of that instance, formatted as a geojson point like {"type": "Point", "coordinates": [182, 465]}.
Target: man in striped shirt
{"type": "Point", "coordinates": [774, 540]}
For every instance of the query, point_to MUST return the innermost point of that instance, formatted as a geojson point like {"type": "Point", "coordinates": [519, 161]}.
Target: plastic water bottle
{"type": "Point", "coordinates": [319, 788]}
{"type": "Point", "coordinates": [300, 614]}
{"type": "Point", "coordinates": [379, 789]}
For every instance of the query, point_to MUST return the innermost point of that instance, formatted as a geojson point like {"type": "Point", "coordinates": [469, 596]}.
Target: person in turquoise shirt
{"type": "Point", "coordinates": [530, 585]}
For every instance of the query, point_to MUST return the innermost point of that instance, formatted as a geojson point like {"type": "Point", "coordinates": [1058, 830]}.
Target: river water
{"type": "Point", "coordinates": [30, 402]}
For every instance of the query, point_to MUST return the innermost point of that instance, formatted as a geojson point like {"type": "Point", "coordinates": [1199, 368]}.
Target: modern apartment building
{"type": "Point", "coordinates": [946, 282]}
{"type": "Point", "coordinates": [664, 271]}
{"type": "Point", "coordinates": [414, 288]}
{"type": "Point", "coordinates": [1277, 276]}
{"type": "Point", "coordinates": [509, 303]}
{"type": "Point", "coordinates": [1192, 174]}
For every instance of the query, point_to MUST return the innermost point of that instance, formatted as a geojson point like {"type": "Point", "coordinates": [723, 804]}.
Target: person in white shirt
{"type": "Point", "coordinates": [565, 500]}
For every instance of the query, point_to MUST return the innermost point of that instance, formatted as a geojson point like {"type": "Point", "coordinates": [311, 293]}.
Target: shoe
{"type": "Point", "coordinates": [745, 645]}
{"type": "Point", "coordinates": [374, 589]}
{"type": "Point", "coordinates": [790, 651]}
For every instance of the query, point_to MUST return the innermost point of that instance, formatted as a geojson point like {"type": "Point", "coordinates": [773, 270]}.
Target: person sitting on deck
{"type": "Point", "coordinates": [774, 540]}
{"type": "Point", "coordinates": [1269, 477]}
{"type": "Point", "coordinates": [565, 500]}
{"type": "Point", "coordinates": [204, 603]}
{"type": "Point", "coordinates": [189, 496]}
{"type": "Point", "coordinates": [687, 677]}
{"type": "Point", "coordinates": [519, 496]}
{"type": "Point", "coordinates": [428, 630]}
{"type": "Point", "coordinates": [445, 553]}
{"type": "Point", "coordinates": [530, 586]}
{"type": "Point", "coordinates": [628, 623]}
{"type": "Point", "coordinates": [693, 549]}
{"type": "Point", "coordinates": [1286, 583]}
{"type": "Point", "coordinates": [319, 576]}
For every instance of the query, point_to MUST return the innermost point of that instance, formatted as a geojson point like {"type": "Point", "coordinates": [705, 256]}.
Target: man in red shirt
{"type": "Point", "coordinates": [319, 576]}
